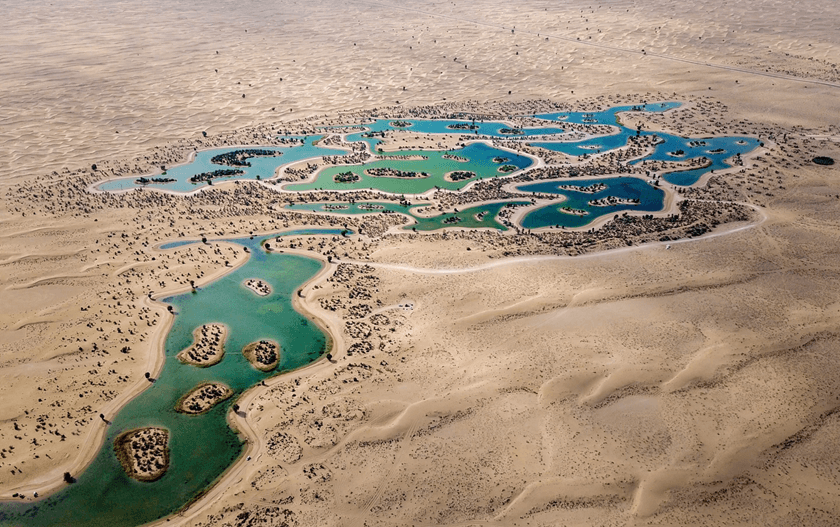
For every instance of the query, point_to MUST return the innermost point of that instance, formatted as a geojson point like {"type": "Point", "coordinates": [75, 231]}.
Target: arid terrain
{"type": "Point", "coordinates": [475, 378]}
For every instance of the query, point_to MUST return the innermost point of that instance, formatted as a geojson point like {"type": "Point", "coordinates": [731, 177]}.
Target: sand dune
{"type": "Point", "coordinates": [695, 385]}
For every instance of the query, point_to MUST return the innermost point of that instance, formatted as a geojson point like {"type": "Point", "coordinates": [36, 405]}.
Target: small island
{"type": "Point", "coordinates": [453, 157]}
{"type": "Point", "coordinates": [462, 126]}
{"type": "Point", "coordinates": [400, 124]}
{"type": "Point", "coordinates": [590, 189]}
{"type": "Point", "coordinates": [346, 177]}
{"type": "Point", "coordinates": [208, 346]}
{"type": "Point", "coordinates": [259, 287]}
{"type": "Point", "coordinates": [239, 158]}
{"type": "Point", "coordinates": [202, 398]}
{"type": "Point", "coordinates": [511, 131]}
{"type": "Point", "coordinates": [405, 157]}
{"type": "Point", "coordinates": [143, 453]}
{"type": "Point", "coordinates": [393, 172]}
{"type": "Point", "coordinates": [264, 355]}
{"type": "Point", "coordinates": [371, 206]}
{"type": "Point", "coordinates": [610, 201]}
{"type": "Point", "coordinates": [208, 176]}
{"type": "Point", "coordinates": [459, 175]}
{"type": "Point", "coordinates": [573, 212]}
{"type": "Point", "coordinates": [505, 169]}
{"type": "Point", "coordinates": [335, 206]}
{"type": "Point", "coordinates": [499, 160]}
{"type": "Point", "coordinates": [452, 220]}
{"type": "Point", "coordinates": [150, 180]}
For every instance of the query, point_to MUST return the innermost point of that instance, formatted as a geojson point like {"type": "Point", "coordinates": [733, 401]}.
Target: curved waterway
{"type": "Point", "coordinates": [417, 171]}
{"type": "Point", "coordinates": [483, 216]}
{"type": "Point", "coordinates": [429, 169]}
{"type": "Point", "coordinates": [715, 149]}
{"type": "Point", "coordinates": [577, 210]}
{"type": "Point", "coordinates": [261, 167]}
{"type": "Point", "coordinates": [202, 446]}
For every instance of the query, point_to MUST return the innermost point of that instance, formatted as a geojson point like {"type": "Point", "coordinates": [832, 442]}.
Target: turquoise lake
{"type": "Point", "coordinates": [260, 166]}
{"type": "Point", "coordinates": [650, 200]}
{"type": "Point", "coordinates": [480, 161]}
{"type": "Point", "coordinates": [202, 446]}
{"type": "Point", "coordinates": [478, 217]}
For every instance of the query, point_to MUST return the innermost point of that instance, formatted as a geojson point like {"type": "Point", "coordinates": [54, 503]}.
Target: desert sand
{"type": "Point", "coordinates": [475, 379]}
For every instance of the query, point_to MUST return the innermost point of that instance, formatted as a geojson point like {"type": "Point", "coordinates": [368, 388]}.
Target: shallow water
{"type": "Point", "coordinates": [264, 167]}
{"type": "Point", "coordinates": [468, 218]}
{"type": "Point", "coordinates": [480, 160]}
{"type": "Point", "coordinates": [650, 200]}
{"type": "Point", "coordinates": [202, 447]}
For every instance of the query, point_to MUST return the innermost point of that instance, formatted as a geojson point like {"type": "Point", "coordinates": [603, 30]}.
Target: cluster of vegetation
{"type": "Point", "coordinates": [239, 158]}
{"type": "Point", "coordinates": [346, 177]}
{"type": "Point", "coordinates": [392, 172]}
{"type": "Point", "coordinates": [209, 176]}
{"type": "Point", "coordinates": [150, 180]}
{"type": "Point", "coordinates": [462, 126]}
{"type": "Point", "coordinates": [460, 175]}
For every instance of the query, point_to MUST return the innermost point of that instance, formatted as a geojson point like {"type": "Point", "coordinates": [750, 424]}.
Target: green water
{"type": "Point", "coordinates": [202, 447]}
{"type": "Point", "coordinates": [479, 156]}
{"type": "Point", "coordinates": [467, 218]}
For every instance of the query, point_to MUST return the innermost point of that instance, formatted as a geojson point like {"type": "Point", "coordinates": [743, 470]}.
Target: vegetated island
{"type": "Point", "coordinates": [208, 346]}
{"type": "Point", "coordinates": [371, 206]}
{"type": "Point", "coordinates": [404, 157]}
{"type": "Point", "coordinates": [392, 172]}
{"type": "Point", "coordinates": [462, 126]}
{"type": "Point", "coordinates": [259, 287]}
{"type": "Point", "coordinates": [239, 158]}
{"type": "Point", "coordinates": [609, 201]}
{"type": "Point", "coordinates": [150, 180]}
{"type": "Point", "coordinates": [264, 355]}
{"type": "Point", "coordinates": [589, 189]}
{"type": "Point", "coordinates": [453, 157]}
{"type": "Point", "coordinates": [143, 452]}
{"type": "Point", "coordinates": [459, 175]}
{"type": "Point", "coordinates": [573, 212]}
{"type": "Point", "coordinates": [499, 160]}
{"type": "Point", "coordinates": [346, 177]}
{"type": "Point", "coordinates": [400, 124]}
{"type": "Point", "coordinates": [507, 169]}
{"type": "Point", "coordinates": [222, 172]}
{"type": "Point", "coordinates": [511, 131]}
{"type": "Point", "coordinates": [202, 398]}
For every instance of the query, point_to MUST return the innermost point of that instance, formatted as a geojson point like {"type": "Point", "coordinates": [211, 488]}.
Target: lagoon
{"type": "Point", "coordinates": [650, 199]}
{"type": "Point", "coordinates": [202, 446]}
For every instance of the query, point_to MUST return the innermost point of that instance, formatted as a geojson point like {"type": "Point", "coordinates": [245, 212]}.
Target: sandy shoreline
{"type": "Point", "coordinates": [573, 379]}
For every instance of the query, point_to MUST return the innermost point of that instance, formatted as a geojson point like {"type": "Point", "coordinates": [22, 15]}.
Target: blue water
{"type": "Point", "coordinates": [264, 167]}
{"type": "Point", "coordinates": [650, 198]}
{"type": "Point", "coordinates": [441, 126]}
{"type": "Point", "coordinates": [670, 143]}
